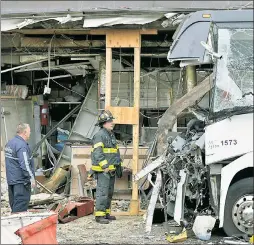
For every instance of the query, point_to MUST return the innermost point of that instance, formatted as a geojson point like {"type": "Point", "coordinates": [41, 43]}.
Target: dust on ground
{"type": "Point", "coordinates": [125, 230]}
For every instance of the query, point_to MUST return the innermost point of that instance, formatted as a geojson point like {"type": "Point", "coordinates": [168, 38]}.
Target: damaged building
{"type": "Point", "coordinates": [61, 65]}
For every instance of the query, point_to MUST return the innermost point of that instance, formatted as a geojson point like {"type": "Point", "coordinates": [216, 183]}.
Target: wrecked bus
{"type": "Point", "coordinates": [216, 159]}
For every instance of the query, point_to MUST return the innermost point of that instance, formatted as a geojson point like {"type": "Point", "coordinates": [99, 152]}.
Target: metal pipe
{"type": "Point", "coordinates": [191, 78]}
{"type": "Point", "coordinates": [56, 77]}
{"type": "Point", "coordinates": [58, 67]}
{"type": "Point", "coordinates": [58, 103]}
{"type": "Point", "coordinates": [41, 185]}
{"type": "Point", "coordinates": [17, 67]}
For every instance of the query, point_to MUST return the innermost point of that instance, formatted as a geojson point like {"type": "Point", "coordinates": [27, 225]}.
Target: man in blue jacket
{"type": "Point", "coordinates": [19, 169]}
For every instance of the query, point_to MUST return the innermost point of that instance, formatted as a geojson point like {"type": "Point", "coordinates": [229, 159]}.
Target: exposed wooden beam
{"type": "Point", "coordinates": [39, 42]}
{"type": "Point", "coordinates": [42, 42]}
{"type": "Point", "coordinates": [107, 31]}
{"type": "Point", "coordinates": [169, 117]}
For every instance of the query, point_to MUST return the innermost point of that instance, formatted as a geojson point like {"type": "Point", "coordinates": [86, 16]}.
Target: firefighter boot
{"type": "Point", "coordinates": [109, 217]}
{"type": "Point", "coordinates": [101, 220]}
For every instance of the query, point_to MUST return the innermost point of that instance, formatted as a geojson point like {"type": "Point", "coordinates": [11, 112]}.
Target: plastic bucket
{"type": "Point", "coordinates": [40, 232]}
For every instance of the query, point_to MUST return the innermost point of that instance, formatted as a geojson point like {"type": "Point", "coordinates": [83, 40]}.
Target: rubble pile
{"type": "Point", "coordinates": [120, 205]}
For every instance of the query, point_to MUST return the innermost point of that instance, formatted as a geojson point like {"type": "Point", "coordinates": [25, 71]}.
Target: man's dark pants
{"type": "Point", "coordinates": [19, 197]}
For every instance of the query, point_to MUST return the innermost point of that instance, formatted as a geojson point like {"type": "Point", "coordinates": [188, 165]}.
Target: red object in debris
{"type": "Point", "coordinates": [74, 210]}
{"type": "Point", "coordinates": [44, 114]}
{"type": "Point", "coordinates": [40, 232]}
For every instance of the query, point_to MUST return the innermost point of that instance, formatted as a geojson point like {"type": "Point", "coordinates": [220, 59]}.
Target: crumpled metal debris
{"type": "Point", "coordinates": [73, 209]}
{"type": "Point", "coordinates": [185, 154]}
{"type": "Point", "coordinates": [183, 173]}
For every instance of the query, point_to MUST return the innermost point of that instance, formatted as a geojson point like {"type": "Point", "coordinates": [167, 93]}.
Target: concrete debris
{"type": "Point", "coordinates": [120, 205]}
{"type": "Point", "coordinates": [235, 242]}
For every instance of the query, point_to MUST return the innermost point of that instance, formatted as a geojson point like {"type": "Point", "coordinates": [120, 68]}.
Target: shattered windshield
{"type": "Point", "coordinates": [234, 72]}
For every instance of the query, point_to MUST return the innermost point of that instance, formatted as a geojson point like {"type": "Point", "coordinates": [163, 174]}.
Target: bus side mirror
{"type": "Point", "coordinates": [210, 50]}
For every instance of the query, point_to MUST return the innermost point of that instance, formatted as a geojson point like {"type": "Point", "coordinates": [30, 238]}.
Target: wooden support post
{"type": "Point", "coordinates": [134, 205]}
{"type": "Point", "coordinates": [126, 115]}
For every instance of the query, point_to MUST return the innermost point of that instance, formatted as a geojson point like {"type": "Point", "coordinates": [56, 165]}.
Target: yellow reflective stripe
{"type": "Point", "coordinates": [107, 211]}
{"type": "Point", "coordinates": [98, 145]}
{"type": "Point", "coordinates": [117, 147]}
{"type": "Point", "coordinates": [99, 168]}
{"type": "Point", "coordinates": [100, 213]}
{"type": "Point", "coordinates": [109, 150]}
{"type": "Point", "coordinates": [111, 167]}
{"type": "Point", "coordinates": [102, 163]}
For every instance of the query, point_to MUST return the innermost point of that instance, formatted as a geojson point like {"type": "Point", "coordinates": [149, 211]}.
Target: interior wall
{"type": "Point", "coordinates": [18, 111]}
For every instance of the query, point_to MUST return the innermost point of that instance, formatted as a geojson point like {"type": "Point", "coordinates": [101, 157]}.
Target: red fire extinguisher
{"type": "Point", "coordinates": [44, 114]}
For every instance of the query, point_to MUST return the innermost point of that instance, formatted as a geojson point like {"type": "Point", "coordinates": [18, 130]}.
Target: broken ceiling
{"type": "Point", "coordinates": [18, 14]}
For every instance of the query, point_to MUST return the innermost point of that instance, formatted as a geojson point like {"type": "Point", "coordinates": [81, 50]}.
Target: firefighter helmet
{"type": "Point", "coordinates": [105, 116]}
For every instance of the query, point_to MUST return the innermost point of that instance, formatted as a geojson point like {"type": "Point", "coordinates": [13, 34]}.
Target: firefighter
{"type": "Point", "coordinates": [106, 165]}
{"type": "Point", "coordinates": [19, 169]}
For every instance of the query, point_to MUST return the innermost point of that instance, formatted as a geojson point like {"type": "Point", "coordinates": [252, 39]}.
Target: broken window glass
{"type": "Point", "coordinates": [234, 72]}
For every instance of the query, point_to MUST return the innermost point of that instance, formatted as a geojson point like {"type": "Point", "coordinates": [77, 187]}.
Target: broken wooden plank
{"type": "Point", "coordinates": [152, 166]}
{"type": "Point", "coordinates": [167, 121]}
{"type": "Point", "coordinates": [154, 198]}
{"type": "Point", "coordinates": [43, 198]}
